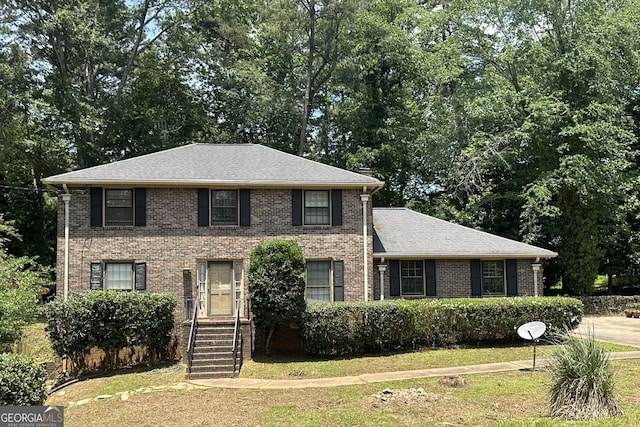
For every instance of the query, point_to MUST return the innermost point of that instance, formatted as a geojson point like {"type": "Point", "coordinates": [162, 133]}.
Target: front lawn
{"type": "Point", "coordinates": [517, 398]}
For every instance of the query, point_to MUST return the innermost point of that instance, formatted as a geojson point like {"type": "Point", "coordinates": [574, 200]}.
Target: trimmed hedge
{"type": "Point", "coordinates": [22, 381]}
{"type": "Point", "coordinates": [610, 304]}
{"type": "Point", "coordinates": [111, 321]}
{"type": "Point", "coordinates": [359, 328]}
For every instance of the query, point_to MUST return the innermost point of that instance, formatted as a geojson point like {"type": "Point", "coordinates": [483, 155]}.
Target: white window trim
{"type": "Point", "coordinates": [105, 221]}
{"type": "Point", "coordinates": [330, 262]}
{"type": "Point", "coordinates": [504, 278]}
{"type": "Point", "coordinates": [304, 207]}
{"type": "Point", "coordinates": [424, 278]}
{"type": "Point", "coordinates": [211, 217]}
{"type": "Point", "coordinates": [106, 275]}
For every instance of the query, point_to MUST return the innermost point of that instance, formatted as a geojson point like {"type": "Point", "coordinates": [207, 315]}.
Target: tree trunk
{"type": "Point", "coordinates": [267, 344]}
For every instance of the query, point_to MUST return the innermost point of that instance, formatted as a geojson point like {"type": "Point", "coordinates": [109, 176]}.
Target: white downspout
{"type": "Point", "coordinates": [365, 244]}
{"type": "Point", "coordinates": [66, 198]}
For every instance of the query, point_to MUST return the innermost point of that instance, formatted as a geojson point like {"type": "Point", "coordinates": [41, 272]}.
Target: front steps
{"type": "Point", "coordinates": [213, 351]}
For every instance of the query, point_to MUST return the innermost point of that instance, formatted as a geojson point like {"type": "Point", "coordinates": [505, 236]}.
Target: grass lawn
{"type": "Point", "coordinates": [516, 398]}
{"type": "Point", "coordinates": [160, 397]}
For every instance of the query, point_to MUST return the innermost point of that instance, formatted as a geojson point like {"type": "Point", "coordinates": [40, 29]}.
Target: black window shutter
{"type": "Point", "coordinates": [430, 269]}
{"type": "Point", "coordinates": [296, 207]}
{"type": "Point", "coordinates": [96, 206]}
{"type": "Point", "coordinates": [203, 207]}
{"type": "Point", "coordinates": [140, 201]}
{"type": "Point", "coordinates": [96, 276]}
{"type": "Point", "coordinates": [394, 278]}
{"type": "Point", "coordinates": [336, 207]}
{"type": "Point", "coordinates": [338, 280]}
{"type": "Point", "coordinates": [245, 207]}
{"type": "Point", "coordinates": [512, 277]}
{"type": "Point", "coordinates": [140, 276]}
{"type": "Point", "coordinates": [476, 278]}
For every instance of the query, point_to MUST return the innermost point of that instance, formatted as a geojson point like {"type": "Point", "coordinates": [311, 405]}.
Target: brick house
{"type": "Point", "coordinates": [185, 220]}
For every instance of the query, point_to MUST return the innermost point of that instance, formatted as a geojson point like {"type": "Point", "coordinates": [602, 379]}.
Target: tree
{"type": "Point", "coordinates": [20, 279]}
{"type": "Point", "coordinates": [549, 146]}
{"type": "Point", "coordinates": [276, 286]}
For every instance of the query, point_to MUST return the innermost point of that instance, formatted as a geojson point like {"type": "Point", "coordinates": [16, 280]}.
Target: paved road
{"type": "Point", "coordinates": [615, 329]}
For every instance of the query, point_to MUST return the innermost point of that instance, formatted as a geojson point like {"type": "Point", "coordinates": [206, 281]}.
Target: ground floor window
{"type": "Point", "coordinates": [493, 282]}
{"type": "Point", "coordinates": [412, 277]}
{"type": "Point", "coordinates": [318, 281]}
{"type": "Point", "coordinates": [118, 275]}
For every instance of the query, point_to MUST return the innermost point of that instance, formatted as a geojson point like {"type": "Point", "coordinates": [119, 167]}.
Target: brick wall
{"type": "Point", "coordinates": [453, 278]}
{"type": "Point", "coordinates": [171, 243]}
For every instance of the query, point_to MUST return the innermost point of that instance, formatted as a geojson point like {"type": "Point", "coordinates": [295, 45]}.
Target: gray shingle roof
{"type": "Point", "coordinates": [216, 164]}
{"type": "Point", "coordinates": [401, 232]}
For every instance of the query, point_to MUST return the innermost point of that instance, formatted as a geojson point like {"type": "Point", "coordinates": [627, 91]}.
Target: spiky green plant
{"type": "Point", "coordinates": [582, 380]}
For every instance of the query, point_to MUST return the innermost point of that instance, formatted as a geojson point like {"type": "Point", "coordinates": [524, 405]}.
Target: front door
{"type": "Point", "coordinates": [220, 289]}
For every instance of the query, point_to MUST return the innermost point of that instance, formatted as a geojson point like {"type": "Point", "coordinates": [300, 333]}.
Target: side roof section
{"type": "Point", "coordinates": [401, 232]}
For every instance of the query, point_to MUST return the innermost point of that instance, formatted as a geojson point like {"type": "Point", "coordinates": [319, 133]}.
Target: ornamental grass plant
{"type": "Point", "coordinates": [582, 381]}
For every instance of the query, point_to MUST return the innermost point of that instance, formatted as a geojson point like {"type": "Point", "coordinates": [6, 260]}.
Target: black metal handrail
{"type": "Point", "coordinates": [236, 330]}
{"type": "Point", "coordinates": [192, 339]}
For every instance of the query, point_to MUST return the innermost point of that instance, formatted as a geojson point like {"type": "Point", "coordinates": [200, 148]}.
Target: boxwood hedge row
{"type": "Point", "coordinates": [22, 381]}
{"type": "Point", "coordinates": [359, 328]}
{"type": "Point", "coordinates": [111, 321]}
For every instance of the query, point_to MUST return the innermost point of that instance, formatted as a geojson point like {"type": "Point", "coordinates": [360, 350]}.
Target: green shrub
{"type": "Point", "coordinates": [276, 285]}
{"type": "Point", "coordinates": [22, 381]}
{"type": "Point", "coordinates": [582, 382]}
{"type": "Point", "coordinates": [111, 321]}
{"type": "Point", "coordinates": [356, 328]}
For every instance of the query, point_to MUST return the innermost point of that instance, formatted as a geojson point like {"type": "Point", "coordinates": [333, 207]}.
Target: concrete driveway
{"type": "Point", "coordinates": [615, 329]}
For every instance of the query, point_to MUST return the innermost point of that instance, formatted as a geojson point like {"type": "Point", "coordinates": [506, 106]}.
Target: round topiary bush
{"type": "Point", "coordinates": [22, 381]}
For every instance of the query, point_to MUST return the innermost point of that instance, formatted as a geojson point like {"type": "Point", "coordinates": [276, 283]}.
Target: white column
{"type": "Point", "coordinates": [365, 244]}
{"type": "Point", "coordinates": [535, 267]}
{"type": "Point", "coordinates": [382, 268]}
{"type": "Point", "coordinates": [66, 198]}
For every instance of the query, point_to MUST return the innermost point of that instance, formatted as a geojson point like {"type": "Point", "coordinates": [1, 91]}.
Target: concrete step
{"type": "Point", "coordinates": [211, 362]}
{"type": "Point", "coordinates": [210, 375]}
{"type": "Point", "coordinates": [213, 343]}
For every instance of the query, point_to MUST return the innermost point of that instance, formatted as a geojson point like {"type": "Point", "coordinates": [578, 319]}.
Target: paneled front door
{"type": "Point", "coordinates": [220, 289]}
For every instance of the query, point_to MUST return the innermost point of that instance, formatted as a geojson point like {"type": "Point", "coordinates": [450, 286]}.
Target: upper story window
{"type": "Point", "coordinates": [412, 277]}
{"type": "Point", "coordinates": [316, 207]}
{"type": "Point", "coordinates": [493, 279]}
{"type": "Point", "coordinates": [224, 207]}
{"type": "Point", "coordinates": [118, 206]}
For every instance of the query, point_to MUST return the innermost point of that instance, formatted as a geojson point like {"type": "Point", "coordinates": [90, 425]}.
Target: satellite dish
{"type": "Point", "coordinates": [532, 330]}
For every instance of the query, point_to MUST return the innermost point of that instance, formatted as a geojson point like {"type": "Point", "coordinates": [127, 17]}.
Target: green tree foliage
{"type": "Point", "coordinates": [276, 286]}
{"type": "Point", "coordinates": [553, 159]}
{"type": "Point", "coordinates": [20, 280]}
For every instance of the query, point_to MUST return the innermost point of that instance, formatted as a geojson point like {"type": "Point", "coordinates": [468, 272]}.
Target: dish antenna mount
{"type": "Point", "coordinates": [532, 331]}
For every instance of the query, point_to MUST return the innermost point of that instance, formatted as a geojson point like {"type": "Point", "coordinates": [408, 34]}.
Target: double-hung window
{"type": "Point", "coordinates": [118, 206]}
{"type": "Point", "coordinates": [119, 276]}
{"type": "Point", "coordinates": [224, 207]}
{"type": "Point", "coordinates": [318, 281]}
{"type": "Point", "coordinates": [317, 207]}
{"type": "Point", "coordinates": [493, 281]}
{"type": "Point", "coordinates": [412, 277]}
